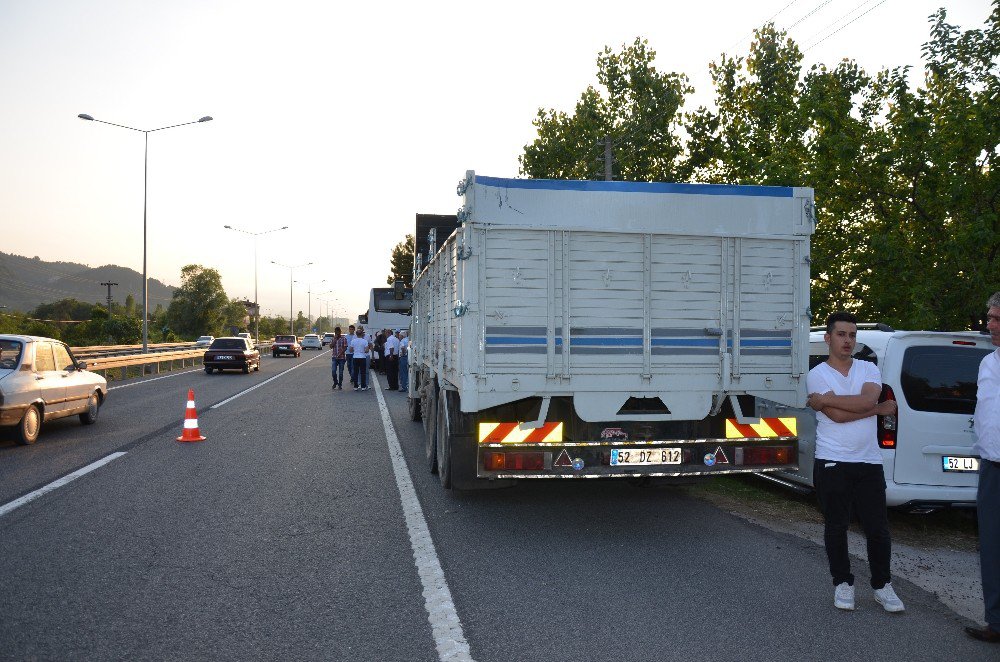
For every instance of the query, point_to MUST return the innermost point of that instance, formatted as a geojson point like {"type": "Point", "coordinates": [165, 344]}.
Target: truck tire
{"type": "Point", "coordinates": [457, 448]}
{"type": "Point", "coordinates": [428, 406]}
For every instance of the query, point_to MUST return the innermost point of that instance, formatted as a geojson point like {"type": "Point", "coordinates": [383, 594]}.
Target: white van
{"type": "Point", "coordinates": [927, 447]}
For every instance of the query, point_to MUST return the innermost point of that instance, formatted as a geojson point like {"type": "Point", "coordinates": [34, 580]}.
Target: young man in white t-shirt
{"type": "Point", "coordinates": [360, 345]}
{"type": "Point", "coordinates": [848, 473]}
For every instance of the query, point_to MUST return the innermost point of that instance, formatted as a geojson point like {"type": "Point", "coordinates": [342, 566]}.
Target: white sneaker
{"type": "Point", "coordinates": [843, 596]}
{"type": "Point", "coordinates": [887, 597]}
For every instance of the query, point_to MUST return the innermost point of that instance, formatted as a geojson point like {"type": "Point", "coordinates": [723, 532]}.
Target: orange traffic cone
{"type": "Point", "coordinates": [191, 432]}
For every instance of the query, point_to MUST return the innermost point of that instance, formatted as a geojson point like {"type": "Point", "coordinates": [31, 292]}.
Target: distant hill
{"type": "Point", "coordinates": [26, 282]}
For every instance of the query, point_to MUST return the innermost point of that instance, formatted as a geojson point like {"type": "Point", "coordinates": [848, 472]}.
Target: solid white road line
{"type": "Point", "coordinates": [445, 624]}
{"type": "Point", "coordinates": [68, 478]}
{"type": "Point", "coordinates": [256, 386]}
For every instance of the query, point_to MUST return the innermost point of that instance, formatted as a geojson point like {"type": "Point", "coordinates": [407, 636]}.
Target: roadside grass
{"type": "Point", "coordinates": [954, 528]}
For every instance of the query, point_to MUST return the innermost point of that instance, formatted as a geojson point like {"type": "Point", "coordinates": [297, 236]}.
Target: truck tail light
{"type": "Point", "coordinates": [887, 424]}
{"type": "Point", "coordinates": [762, 455]}
{"type": "Point", "coordinates": [514, 461]}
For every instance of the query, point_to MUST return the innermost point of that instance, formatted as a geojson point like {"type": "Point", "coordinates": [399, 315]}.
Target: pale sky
{"type": "Point", "coordinates": [339, 120]}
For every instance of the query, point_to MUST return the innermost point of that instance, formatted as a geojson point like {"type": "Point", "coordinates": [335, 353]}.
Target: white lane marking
{"type": "Point", "coordinates": [445, 624]}
{"type": "Point", "coordinates": [256, 386]}
{"type": "Point", "coordinates": [56, 484]}
{"type": "Point", "coordinates": [154, 379]}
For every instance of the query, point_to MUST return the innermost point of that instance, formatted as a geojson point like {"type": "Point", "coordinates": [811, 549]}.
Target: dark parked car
{"type": "Point", "coordinates": [286, 345]}
{"type": "Point", "coordinates": [231, 354]}
{"type": "Point", "coordinates": [40, 380]}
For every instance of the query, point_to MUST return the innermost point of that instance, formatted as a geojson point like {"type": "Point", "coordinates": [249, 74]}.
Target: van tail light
{"type": "Point", "coordinates": [887, 424]}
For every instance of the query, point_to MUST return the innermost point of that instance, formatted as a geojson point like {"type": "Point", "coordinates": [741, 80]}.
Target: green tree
{"type": "Point", "coordinates": [64, 309]}
{"type": "Point", "coordinates": [401, 262]}
{"type": "Point", "coordinates": [200, 305]}
{"type": "Point", "coordinates": [301, 324]}
{"type": "Point", "coordinates": [637, 109]}
{"type": "Point", "coordinates": [130, 306]}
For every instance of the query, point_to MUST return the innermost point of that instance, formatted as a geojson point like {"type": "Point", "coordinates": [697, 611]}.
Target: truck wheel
{"type": "Point", "coordinates": [428, 404]}
{"type": "Point", "coordinates": [444, 441]}
{"type": "Point", "coordinates": [457, 448]}
{"type": "Point", "coordinates": [413, 405]}
{"type": "Point", "coordinates": [29, 426]}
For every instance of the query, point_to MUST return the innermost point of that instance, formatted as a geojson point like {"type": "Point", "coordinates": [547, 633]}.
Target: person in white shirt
{"type": "Point", "coordinates": [987, 425]}
{"type": "Point", "coordinates": [847, 473]}
{"type": "Point", "coordinates": [360, 345]}
{"type": "Point", "coordinates": [390, 357]}
{"type": "Point", "coordinates": [404, 361]}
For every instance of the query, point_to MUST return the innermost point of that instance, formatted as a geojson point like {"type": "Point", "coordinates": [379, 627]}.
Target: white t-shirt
{"type": "Point", "coordinates": [845, 442]}
{"type": "Point", "coordinates": [360, 347]}
{"type": "Point", "coordinates": [404, 345]}
{"type": "Point", "coordinates": [392, 343]}
{"type": "Point", "coordinates": [987, 416]}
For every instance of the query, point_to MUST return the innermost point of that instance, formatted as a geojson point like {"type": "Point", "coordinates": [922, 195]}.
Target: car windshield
{"type": "Point", "coordinates": [285, 339]}
{"type": "Point", "coordinates": [10, 354]}
{"type": "Point", "coordinates": [204, 338]}
{"type": "Point", "coordinates": [942, 378]}
{"type": "Point", "coordinates": [229, 343]}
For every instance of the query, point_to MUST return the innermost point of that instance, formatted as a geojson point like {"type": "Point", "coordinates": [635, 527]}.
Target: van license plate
{"type": "Point", "coordinates": [645, 456]}
{"type": "Point", "coordinates": [954, 463]}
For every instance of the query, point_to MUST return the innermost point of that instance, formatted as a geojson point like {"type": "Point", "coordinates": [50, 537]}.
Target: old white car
{"type": "Point", "coordinates": [40, 381]}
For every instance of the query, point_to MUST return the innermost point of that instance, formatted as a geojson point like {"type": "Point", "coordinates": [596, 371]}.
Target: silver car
{"type": "Point", "coordinates": [40, 381]}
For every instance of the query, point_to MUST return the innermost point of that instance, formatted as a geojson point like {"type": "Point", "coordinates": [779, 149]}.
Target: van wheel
{"type": "Point", "coordinates": [89, 417]}
{"type": "Point", "coordinates": [29, 426]}
{"type": "Point", "coordinates": [428, 406]}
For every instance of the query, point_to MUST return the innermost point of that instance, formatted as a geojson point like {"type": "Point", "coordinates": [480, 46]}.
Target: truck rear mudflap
{"type": "Point", "coordinates": [606, 458]}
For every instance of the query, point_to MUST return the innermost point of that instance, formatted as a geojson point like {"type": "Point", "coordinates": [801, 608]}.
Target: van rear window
{"type": "Point", "coordinates": [941, 379]}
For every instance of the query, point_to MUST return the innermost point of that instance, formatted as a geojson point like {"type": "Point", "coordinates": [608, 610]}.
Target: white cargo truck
{"type": "Point", "coordinates": [583, 329]}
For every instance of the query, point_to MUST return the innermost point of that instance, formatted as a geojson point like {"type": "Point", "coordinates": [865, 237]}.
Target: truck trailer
{"type": "Point", "coordinates": [590, 329]}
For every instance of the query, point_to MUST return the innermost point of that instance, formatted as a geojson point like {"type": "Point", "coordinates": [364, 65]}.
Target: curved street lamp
{"type": "Point", "coordinates": [291, 270]}
{"type": "Point", "coordinates": [256, 302]}
{"type": "Point", "coordinates": [145, 187]}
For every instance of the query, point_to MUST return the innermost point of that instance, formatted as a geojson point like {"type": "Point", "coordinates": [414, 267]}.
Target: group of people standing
{"type": "Point", "coordinates": [389, 348]}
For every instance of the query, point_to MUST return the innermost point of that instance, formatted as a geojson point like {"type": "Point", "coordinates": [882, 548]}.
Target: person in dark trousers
{"type": "Point", "coordinates": [338, 347]}
{"type": "Point", "coordinates": [349, 354]}
{"type": "Point", "coordinates": [361, 346]}
{"type": "Point", "coordinates": [847, 473]}
{"type": "Point", "coordinates": [986, 421]}
{"type": "Point", "coordinates": [390, 347]}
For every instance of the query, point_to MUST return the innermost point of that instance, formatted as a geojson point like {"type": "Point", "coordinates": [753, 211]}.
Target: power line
{"type": "Point", "coordinates": [815, 9]}
{"type": "Point", "coordinates": [750, 34]}
{"type": "Point", "coordinates": [882, 2]}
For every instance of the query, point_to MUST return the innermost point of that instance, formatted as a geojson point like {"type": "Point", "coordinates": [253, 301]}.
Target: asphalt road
{"type": "Point", "coordinates": [283, 536]}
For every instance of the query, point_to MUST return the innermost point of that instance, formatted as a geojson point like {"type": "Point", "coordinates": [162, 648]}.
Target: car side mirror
{"type": "Point", "coordinates": [81, 365]}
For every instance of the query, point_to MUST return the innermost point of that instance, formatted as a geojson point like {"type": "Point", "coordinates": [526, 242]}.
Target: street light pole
{"type": "Point", "coordinates": [291, 270]}
{"type": "Point", "coordinates": [309, 286]}
{"type": "Point", "coordinates": [256, 301]}
{"type": "Point", "coordinates": [145, 189]}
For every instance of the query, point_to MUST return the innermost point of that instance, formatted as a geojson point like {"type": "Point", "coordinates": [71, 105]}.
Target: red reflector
{"type": "Point", "coordinates": [766, 455]}
{"type": "Point", "coordinates": [886, 425]}
{"type": "Point", "coordinates": [498, 461]}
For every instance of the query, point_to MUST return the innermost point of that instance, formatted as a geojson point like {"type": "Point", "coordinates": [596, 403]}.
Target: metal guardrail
{"type": "Point", "coordinates": [122, 357]}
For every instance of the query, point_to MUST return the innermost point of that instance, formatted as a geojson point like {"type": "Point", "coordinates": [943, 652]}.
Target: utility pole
{"type": "Point", "coordinates": [109, 285]}
{"type": "Point", "coordinates": [609, 159]}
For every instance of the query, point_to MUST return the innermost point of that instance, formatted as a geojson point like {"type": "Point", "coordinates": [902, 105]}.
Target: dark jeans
{"type": "Point", "coordinates": [987, 505]}
{"type": "Point", "coordinates": [338, 371]}
{"type": "Point", "coordinates": [350, 370]}
{"type": "Point", "coordinates": [844, 489]}
{"type": "Point", "coordinates": [392, 372]}
{"type": "Point", "coordinates": [361, 372]}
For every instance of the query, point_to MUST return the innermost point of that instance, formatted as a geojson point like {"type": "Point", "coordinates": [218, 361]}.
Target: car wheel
{"type": "Point", "coordinates": [208, 370]}
{"type": "Point", "coordinates": [274, 355]}
{"type": "Point", "coordinates": [246, 368]}
{"type": "Point", "coordinates": [89, 417]}
{"type": "Point", "coordinates": [30, 426]}
{"type": "Point", "coordinates": [256, 366]}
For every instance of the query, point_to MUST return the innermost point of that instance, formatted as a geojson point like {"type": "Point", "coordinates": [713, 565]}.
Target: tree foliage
{"type": "Point", "coordinates": [637, 109]}
{"type": "Point", "coordinates": [200, 305]}
{"type": "Point", "coordinates": [401, 262]}
{"type": "Point", "coordinates": [906, 180]}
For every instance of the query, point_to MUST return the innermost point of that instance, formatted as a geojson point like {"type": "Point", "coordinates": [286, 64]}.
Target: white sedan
{"type": "Point", "coordinates": [311, 341]}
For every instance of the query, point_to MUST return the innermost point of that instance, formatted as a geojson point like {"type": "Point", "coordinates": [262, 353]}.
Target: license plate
{"type": "Point", "coordinates": [645, 456]}
{"type": "Point", "coordinates": [956, 463]}
{"type": "Point", "coordinates": [223, 358]}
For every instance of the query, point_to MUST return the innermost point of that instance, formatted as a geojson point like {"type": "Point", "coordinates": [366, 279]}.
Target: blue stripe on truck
{"type": "Point", "coordinates": [637, 187]}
